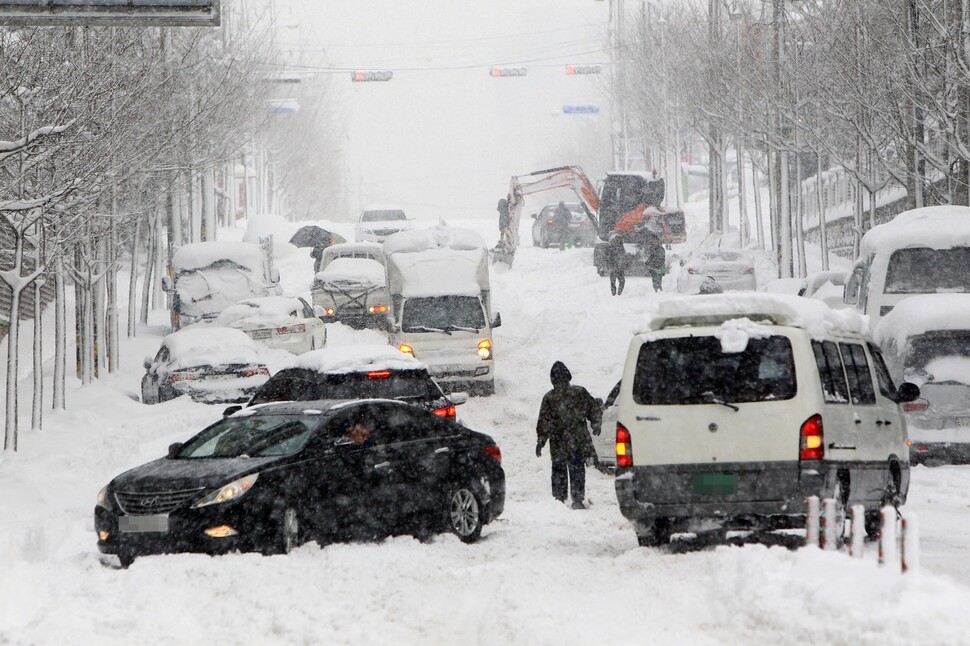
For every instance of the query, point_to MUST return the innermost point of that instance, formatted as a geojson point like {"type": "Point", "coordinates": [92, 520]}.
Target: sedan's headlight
{"type": "Point", "coordinates": [227, 493]}
{"type": "Point", "coordinates": [103, 498]}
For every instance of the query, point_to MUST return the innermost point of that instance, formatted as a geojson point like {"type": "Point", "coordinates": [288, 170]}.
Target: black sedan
{"type": "Point", "coordinates": [271, 477]}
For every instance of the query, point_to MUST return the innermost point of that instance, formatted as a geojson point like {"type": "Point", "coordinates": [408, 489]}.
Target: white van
{"type": "Point", "coordinates": [922, 251]}
{"type": "Point", "coordinates": [734, 409]}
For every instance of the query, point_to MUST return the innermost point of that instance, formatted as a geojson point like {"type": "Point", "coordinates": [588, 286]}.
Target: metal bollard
{"type": "Point", "coordinates": [858, 529]}
{"type": "Point", "coordinates": [811, 521]}
{"type": "Point", "coordinates": [830, 533]}
{"type": "Point", "coordinates": [887, 535]}
{"type": "Point", "coordinates": [910, 542]}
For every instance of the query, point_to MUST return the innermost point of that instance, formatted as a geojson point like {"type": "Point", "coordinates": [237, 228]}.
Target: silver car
{"type": "Point", "coordinates": [730, 269]}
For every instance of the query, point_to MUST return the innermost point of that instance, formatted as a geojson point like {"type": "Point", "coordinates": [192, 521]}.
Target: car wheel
{"type": "Point", "coordinates": [465, 514]}
{"type": "Point", "coordinates": [658, 534]}
{"type": "Point", "coordinates": [125, 558]}
{"type": "Point", "coordinates": [890, 497]}
{"type": "Point", "coordinates": [287, 534]}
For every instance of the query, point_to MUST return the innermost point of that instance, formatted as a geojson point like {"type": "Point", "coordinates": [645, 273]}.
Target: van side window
{"type": "Point", "coordinates": [830, 373]}
{"type": "Point", "coordinates": [883, 377]}
{"type": "Point", "coordinates": [857, 371]}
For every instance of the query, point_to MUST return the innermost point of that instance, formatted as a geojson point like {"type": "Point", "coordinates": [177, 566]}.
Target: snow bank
{"type": "Point", "coordinates": [812, 315]}
{"type": "Point", "coordinates": [355, 358]}
{"type": "Point", "coordinates": [208, 345]}
{"type": "Point", "coordinates": [937, 227]}
{"type": "Point", "coordinates": [359, 271]}
{"type": "Point", "coordinates": [920, 314]}
{"type": "Point", "coordinates": [280, 228]}
{"type": "Point", "coordinates": [202, 254]}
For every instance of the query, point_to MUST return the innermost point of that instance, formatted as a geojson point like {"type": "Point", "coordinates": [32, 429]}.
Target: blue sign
{"type": "Point", "coordinates": [580, 109]}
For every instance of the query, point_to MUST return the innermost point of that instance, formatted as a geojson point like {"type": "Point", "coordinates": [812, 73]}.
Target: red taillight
{"type": "Point", "coordinates": [493, 451]}
{"type": "Point", "coordinates": [811, 446]}
{"type": "Point", "coordinates": [292, 329]}
{"type": "Point", "coordinates": [916, 406]}
{"type": "Point", "coordinates": [253, 372]}
{"type": "Point", "coordinates": [182, 376]}
{"type": "Point", "coordinates": [378, 374]}
{"type": "Point", "coordinates": [624, 453]}
{"type": "Point", "coordinates": [446, 411]}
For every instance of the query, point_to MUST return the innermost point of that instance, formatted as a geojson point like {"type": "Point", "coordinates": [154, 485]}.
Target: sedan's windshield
{"type": "Point", "coordinates": [382, 216]}
{"type": "Point", "coordinates": [253, 436]}
{"type": "Point", "coordinates": [927, 271]}
{"type": "Point", "coordinates": [442, 313]}
{"type": "Point", "coordinates": [695, 370]}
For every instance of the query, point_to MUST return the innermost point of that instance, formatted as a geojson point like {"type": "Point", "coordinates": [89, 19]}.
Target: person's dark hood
{"type": "Point", "coordinates": [560, 374]}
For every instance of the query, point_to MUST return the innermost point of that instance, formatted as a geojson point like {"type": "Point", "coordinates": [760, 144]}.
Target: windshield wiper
{"type": "Point", "coordinates": [460, 328]}
{"type": "Point", "coordinates": [711, 398]}
{"type": "Point", "coordinates": [425, 328]}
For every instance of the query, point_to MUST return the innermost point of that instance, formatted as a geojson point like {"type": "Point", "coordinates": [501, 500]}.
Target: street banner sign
{"type": "Point", "coordinates": [503, 72]}
{"type": "Point", "coordinates": [583, 69]}
{"type": "Point", "coordinates": [361, 76]}
{"type": "Point", "coordinates": [580, 109]}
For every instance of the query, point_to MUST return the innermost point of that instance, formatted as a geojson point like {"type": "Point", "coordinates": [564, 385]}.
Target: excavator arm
{"type": "Point", "coordinates": [571, 177]}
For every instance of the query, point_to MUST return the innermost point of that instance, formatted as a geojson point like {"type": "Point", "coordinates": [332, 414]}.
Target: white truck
{"type": "Point", "coordinates": [441, 309]}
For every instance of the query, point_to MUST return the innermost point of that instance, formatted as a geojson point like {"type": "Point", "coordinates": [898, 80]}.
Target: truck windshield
{"type": "Point", "coordinates": [926, 271]}
{"type": "Point", "coordinates": [445, 313]}
{"type": "Point", "coordinates": [695, 370]}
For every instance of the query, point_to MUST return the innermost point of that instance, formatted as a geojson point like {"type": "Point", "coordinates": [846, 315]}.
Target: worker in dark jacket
{"type": "Point", "coordinates": [504, 219]}
{"type": "Point", "coordinates": [615, 258]}
{"type": "Point", "coordinates": [560, 224]}
{"type": "Point", "coordinates": [562, 422]}
{"type": "Point", "coordinates": [656, 261]}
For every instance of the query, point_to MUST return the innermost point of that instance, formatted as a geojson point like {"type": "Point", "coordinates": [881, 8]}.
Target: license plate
{"type": "Point", "coordinates": [443, 370]}
{"type": "Point", "coordinates": [262, 334]}
{"type": "Point", "coordinates": [715, 484]}
{"type": "Point", "coordinates": [140, 524]}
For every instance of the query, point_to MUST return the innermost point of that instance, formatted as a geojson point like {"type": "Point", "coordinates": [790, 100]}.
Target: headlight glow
{"type": "Point", "coordinates": [227, 493]}
{"type": "Point", "coordinates": [485, 349]}
{"type": "Point", "coordinates": [103, 498]}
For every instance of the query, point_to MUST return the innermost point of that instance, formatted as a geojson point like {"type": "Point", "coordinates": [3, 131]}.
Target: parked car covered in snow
{"type": "Point", "coordinates": [270, 478]}
{"type": "Point", "coordinates": [826, 286]}
{"type": "Point", "coordinates": [730, 269]}
{"type": "Point", "coordinates": [350, 286]}
{"type": "Point", "coordinates": [280, 322]}
{"type": "Point", "coordinates": [208, 277]}
{"type": "Point", "coordinates": [377, 222]}
{"type": "Point", "coordinates": [926, 341]}
{"type": "Point", "coordinates": [210, 364]}
{"type": "Point", "coordinates": [358, 372]}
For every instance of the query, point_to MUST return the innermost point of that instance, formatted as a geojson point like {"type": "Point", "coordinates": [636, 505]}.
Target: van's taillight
{"type": "Point", "coordinates": [811, 446]}
{"type": "Point", "coordinates": [493, 451]}
{"type": "Point", "coordinates": [446, 411]}
{"type": "Point", "coordinates": [182, 376]}
{"type": "Point", "coordinates": [624, 455]}
{"type": "Point", "coordinates": [916, 406]}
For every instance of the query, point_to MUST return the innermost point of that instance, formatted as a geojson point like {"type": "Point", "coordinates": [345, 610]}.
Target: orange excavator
{"type": "Point", "coordinates": [628, 204]}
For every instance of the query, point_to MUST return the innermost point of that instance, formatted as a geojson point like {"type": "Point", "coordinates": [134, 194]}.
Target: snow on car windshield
{"type": "Point", "coordinates": [445, 313]}
{"type": "Point", "coordinates": [212, 289]}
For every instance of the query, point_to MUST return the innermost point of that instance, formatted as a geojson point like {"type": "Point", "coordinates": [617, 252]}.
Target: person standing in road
{"type": "Point", "coordinates": [562, 422]}
{"type": "Point", "coordinates": [616, 260]}
{"type": "Point", "coordinates": [560, 224]}
{"type": "Point", "coordinates": [504, 220]}
{"type": "Point", "coordinates": [656, 260]}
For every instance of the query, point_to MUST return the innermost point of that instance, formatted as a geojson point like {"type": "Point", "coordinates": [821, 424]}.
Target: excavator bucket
{"type": "Point", "coordinates": [502, 255]}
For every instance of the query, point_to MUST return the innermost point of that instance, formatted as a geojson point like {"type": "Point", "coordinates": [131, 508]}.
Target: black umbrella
{"type": "Point", "coordinates": [312, 236]}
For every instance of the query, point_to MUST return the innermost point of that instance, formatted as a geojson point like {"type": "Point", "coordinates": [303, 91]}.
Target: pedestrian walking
{"type": "Point", "coordinates": [560, 224]}
{"type": "Point", "coordinates": [562, 423]}
{"type": "Point", "coordinates": [656, 261]}
{"type": "Point", "coordinates": [616, 259]}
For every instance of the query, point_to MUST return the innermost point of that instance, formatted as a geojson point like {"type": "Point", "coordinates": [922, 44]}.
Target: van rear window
{"type": "Point", "coordinates": [920, 270]}
{"type": "Point", "coordinates": [694, 370]}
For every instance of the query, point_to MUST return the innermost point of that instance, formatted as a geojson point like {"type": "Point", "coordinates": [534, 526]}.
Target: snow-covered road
{"type": "Point", "coordinates": [542, 574]}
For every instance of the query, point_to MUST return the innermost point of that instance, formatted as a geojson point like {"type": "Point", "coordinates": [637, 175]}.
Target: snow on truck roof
{"type": "Point", "coordinates": [202, 254]}
{"type": "Point", "coordinates": [363, 271]}
{"type": "Point", "coordinates": [915, 315]}
{"type": "Point", "coordinates": [812, 315]}
{"type": "Point", "coordinates": [937, 227]}
{"type": "Point", "coordinates": [437, 261]}
{"type": "Point", "coordinates": [355, 358]}
{"type": "Point", "coordinates": [439, 237]}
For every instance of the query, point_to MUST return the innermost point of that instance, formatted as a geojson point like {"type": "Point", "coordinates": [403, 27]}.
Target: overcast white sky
{"type": "Point", "coordinates": [443, 137]}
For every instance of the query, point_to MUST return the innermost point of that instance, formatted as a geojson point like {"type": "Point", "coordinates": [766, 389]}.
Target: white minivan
{"type": "Point", "coordinates": [733, 409]}
{"type": "Point", "coordinates": [922, 251]}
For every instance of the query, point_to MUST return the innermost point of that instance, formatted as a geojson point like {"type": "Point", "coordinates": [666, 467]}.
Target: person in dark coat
{"type": "Point", "coordinates": [560, 224]}
{"type": "Point", "coordinates": [504, 218]}
{"type": "Point", "coordinates": [616, 258]}
{"type": "Point", "coordinates": [562, 423]}
{"type": "Point", "coordinates": [656, 261]}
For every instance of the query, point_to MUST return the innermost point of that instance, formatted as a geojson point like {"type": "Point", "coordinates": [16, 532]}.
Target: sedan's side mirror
{"type": "Point", "coordinates": [173, 449]}
{"type": "Point", "coordinates": [148, 362]}
{"type": "Point", "coordinates": [231, 410]}
{"type": "Point", "coordinates": [907, 392]}
{"type": "Point", "coordinates": [497, 320]}
{"type": "Point", "coordinates": [534, 216]}
{"type": "Point", "coordinates": [458, 398]}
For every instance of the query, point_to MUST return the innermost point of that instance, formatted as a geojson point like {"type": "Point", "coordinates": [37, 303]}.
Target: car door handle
{"type": "Point", "coordinates": [833, 445]}
{"type": "Point", "coordinates": [647, 419]}
{"type": "Point", "coordinates": [443, 449]}
{"type": "Point", "coordinates": [382, 465]}
{"type": "Point", "coordinates": [858, 421]}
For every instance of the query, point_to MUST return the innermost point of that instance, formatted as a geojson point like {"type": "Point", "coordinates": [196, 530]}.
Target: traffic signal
{"type": "Point", "coordinates": [502, 72]}
{"type": "Point", "coordinates": [583, 69]}
{"type": "Point", "coordinates": [380, 75]}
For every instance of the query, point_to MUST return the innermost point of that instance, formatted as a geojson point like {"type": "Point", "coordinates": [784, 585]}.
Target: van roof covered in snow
{"type": "Point", "coordinates": [937, 227]}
